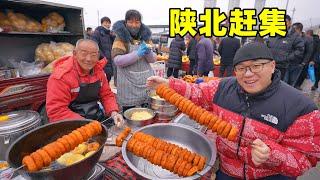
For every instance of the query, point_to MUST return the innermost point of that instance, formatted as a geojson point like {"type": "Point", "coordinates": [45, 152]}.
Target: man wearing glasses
{"type": "Point", "coordinates": [78, 84]}
{"type": "Point", "coordinates": [278, 135]}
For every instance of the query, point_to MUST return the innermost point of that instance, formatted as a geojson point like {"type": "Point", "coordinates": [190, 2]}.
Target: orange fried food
{"type": "Point", "coordinates": [71, 142]}
{"type": "Point", "coordinates": [75, 139]}
{"type": "Point", "coordinates": [55, 148]}
{"type": "Point", "coordinates": [45, 157]}
{"type": "Point", "coordinates": [94, 146]}
{"type": "Point", "coordinates": [65, 143]}
{"type": "Point", "coordinates": [186, 169]}
{"type": "Point", "coordinates": [37, 159]}
{"type": "Point", "coordinates": [191, 157]}
{"type": "Point", "coordinates": [131, 143]}
{"type": "Point", "coordinates": [174, 98]}
{"type": "Point", "coordinates": [83, 134]}
{"type": "Point", "coordinates": [181, 104]}
{"type": "Point", "coordinates": [216, 125]}
{"type": "Point", "coordinates": [208, 118]}
{"type": "Point", "coordinates": [201, 111]}
{"type": "Point", "coordinates": [203, 117]}
{"type": "Point", "coordinates": [192, 171]}
{"type": "Point", "coordinates": [180, 98]}
{"type": "Point", "coordinates": [52, 153]}
{"type": "Point", "coordinates": [189, 108]}
{"type": "Point", "coordinates": [59, 146]}
{"type": "Point", "coordinates": [88, 131]}
{"type": "Point", "coordinates": [127, 130]}
{"type": "Point", "coordinates": [171, 161]}
{"type": "Point", "coordinates": [196, 160]}
{"type": "Point", "coordinates": [213, 120]}
{"type": "Point", "coordinates": [168, 94]}
{"type": "Point", "coordinates": [119, 140]}
{"type": "Point", "coordinates": [93, 128]}
{"type": "Point", "coordinates": [201, 163]}
{"type": "Point", "coordinates": [177, 165]}
{"type": "Point", "coordinates": [233, 134]}
{"type": "Point", "coordinates": [89, 128]}
{"type": "Point", "coordinates": [97, 124]}
{"type": "Point", "coordinates": [181, 168]}
{"type": "Point", "coordinates": [78, 135]}
{"type": "Point", "coordinates": [221, 127]}
{"type": "Point", "coordinates": [29, 163]}
{"type": "Point", "coordinates": [160, 88]}
{"type": "Point", "coordinates": [226, 130]}
{"type": "Point", "coordinates": [151, 154]}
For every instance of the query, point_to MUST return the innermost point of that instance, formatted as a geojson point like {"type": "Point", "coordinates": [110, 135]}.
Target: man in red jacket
{"type": "Point", "coordinates": [78, 87]}
{"type": "Point", "coordinates": [279, 135]}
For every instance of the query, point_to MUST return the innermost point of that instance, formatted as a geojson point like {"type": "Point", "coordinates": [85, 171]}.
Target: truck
{"type": "Point", "coordinates": [22, 92]}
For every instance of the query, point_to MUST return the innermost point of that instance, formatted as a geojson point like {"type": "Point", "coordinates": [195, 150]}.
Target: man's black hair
{"type": "Point", "coordinates": [288, 17]}
{"type": "Point", "coordinates": [89, 29]}
{"type": "Point", "coordinates": [298, 25]}
{"type": "Point", "coordinates": [105, 19]}
{"type": "Point", "coordinates": [133, 14]}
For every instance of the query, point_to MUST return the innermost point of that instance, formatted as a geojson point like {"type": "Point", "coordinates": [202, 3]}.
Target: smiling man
{"type": "Point", "coordinates": [278, 135]}
{"type": "Point", "coordinates": [77, 85]}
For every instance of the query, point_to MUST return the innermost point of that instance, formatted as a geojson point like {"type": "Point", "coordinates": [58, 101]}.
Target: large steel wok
{"type": "Point", "coordinates": [179, 134]}
{"type": "Point", "coordinates": [44, 135]}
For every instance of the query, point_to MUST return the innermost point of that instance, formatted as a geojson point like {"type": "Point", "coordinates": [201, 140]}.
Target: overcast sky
{"type": "Point", "coordinates": [157, 11]}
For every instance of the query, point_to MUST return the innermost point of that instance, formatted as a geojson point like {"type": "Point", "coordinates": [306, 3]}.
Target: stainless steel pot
{"type": "Point", "coordinates": [19, 123]}
{"type": "Point", "coordinates": [179, 134]}
{"type": "Point", "coordinates": [156, 101]}
{"type": "Point", "coordinates": [133, 123]}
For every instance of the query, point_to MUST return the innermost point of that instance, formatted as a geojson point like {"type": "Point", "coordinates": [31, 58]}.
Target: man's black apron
{"type": "Point", "coordinates": [86, 103]}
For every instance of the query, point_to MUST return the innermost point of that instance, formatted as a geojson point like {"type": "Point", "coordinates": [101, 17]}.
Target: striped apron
{"type": "Point", "coordinates": [131, 81]}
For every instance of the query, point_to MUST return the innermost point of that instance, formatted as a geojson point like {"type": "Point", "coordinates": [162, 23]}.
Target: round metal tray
{"type": "Point", "coordinates": [179, 134]}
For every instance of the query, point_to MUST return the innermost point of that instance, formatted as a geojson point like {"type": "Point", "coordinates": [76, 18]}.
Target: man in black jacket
{"type": "Point", "coordinates": [177, 47]}
{"type": "Point", "coordinates": [104, 38]}
{"type": "Point", "coordinates": [315, 57]}
{"type": "Point", "coordinates": [285, 50]}
{"type": "Point", "coordinates": [308, 48]}
{"type": "Point", "coordinates": [192, 54]}
{"type": "Point", "coordinates": [227, 49]}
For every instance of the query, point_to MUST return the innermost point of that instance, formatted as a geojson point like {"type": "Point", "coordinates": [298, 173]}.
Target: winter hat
{"type": "Point", "coordinates": [252, 51]}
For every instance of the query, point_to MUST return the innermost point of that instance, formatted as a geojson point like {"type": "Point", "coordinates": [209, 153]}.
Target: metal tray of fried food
{"type": "Point", "coordinates": [179, 134]}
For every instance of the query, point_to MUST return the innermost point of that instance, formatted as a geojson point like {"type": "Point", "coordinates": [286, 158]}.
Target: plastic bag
{"type": "Point", "coordinates": [22, 23]}
{"type": "Point", "coordinates": [47, 53]}
{"type": "Point", "coordinates": [29, 69]}
{"type": "Point", "coordinates": [311, 73]}
{"type": "Point", "coordinates": [54, 22]}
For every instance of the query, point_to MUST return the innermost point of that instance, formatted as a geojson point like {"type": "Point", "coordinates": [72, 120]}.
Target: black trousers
{"type": "Point", "coordinates": [192, 67]}
{"type": "Point", "coordinates": [317, 72]}
{"type": "Point", "coordinates": [227, 68]}
{"type": "Point", "coordinates": [173, 72]}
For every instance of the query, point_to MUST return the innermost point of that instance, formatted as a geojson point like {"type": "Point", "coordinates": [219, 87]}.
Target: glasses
{"type": "Point", "coordinates": [254, 68]}
{"type": "Point", "coordinates": [86, 53]}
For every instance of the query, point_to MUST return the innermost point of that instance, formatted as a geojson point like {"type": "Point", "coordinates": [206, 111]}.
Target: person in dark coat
{"type": "Point", "coordinates": [104, 38]}
{"type": "Point", "coordinates": [308, 48]}
{"type": "Point", "coordinates": [204, 55]}
{"type": "Point", "coordinates": [315, 57]}
{"type": "Point", "coordinates": [177, 47]}
{"type": "Point", "coordinates": [227, 49]}
{"type": "Point", "coordinates": [192, 54]}
{"type": "Point", "coordinates": [286, 50]}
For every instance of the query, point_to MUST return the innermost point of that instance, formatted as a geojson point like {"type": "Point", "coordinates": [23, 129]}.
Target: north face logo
{"type": "Point", "coordinates": [270, 118]}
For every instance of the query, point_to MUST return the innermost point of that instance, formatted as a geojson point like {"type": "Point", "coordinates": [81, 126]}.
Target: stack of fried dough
{"type": "Point", "coordinates": [49, 153]}
{"type": "Point", "coordinates": [169, 156]}
{"type": "Point", "coordinates": [199, 114]}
